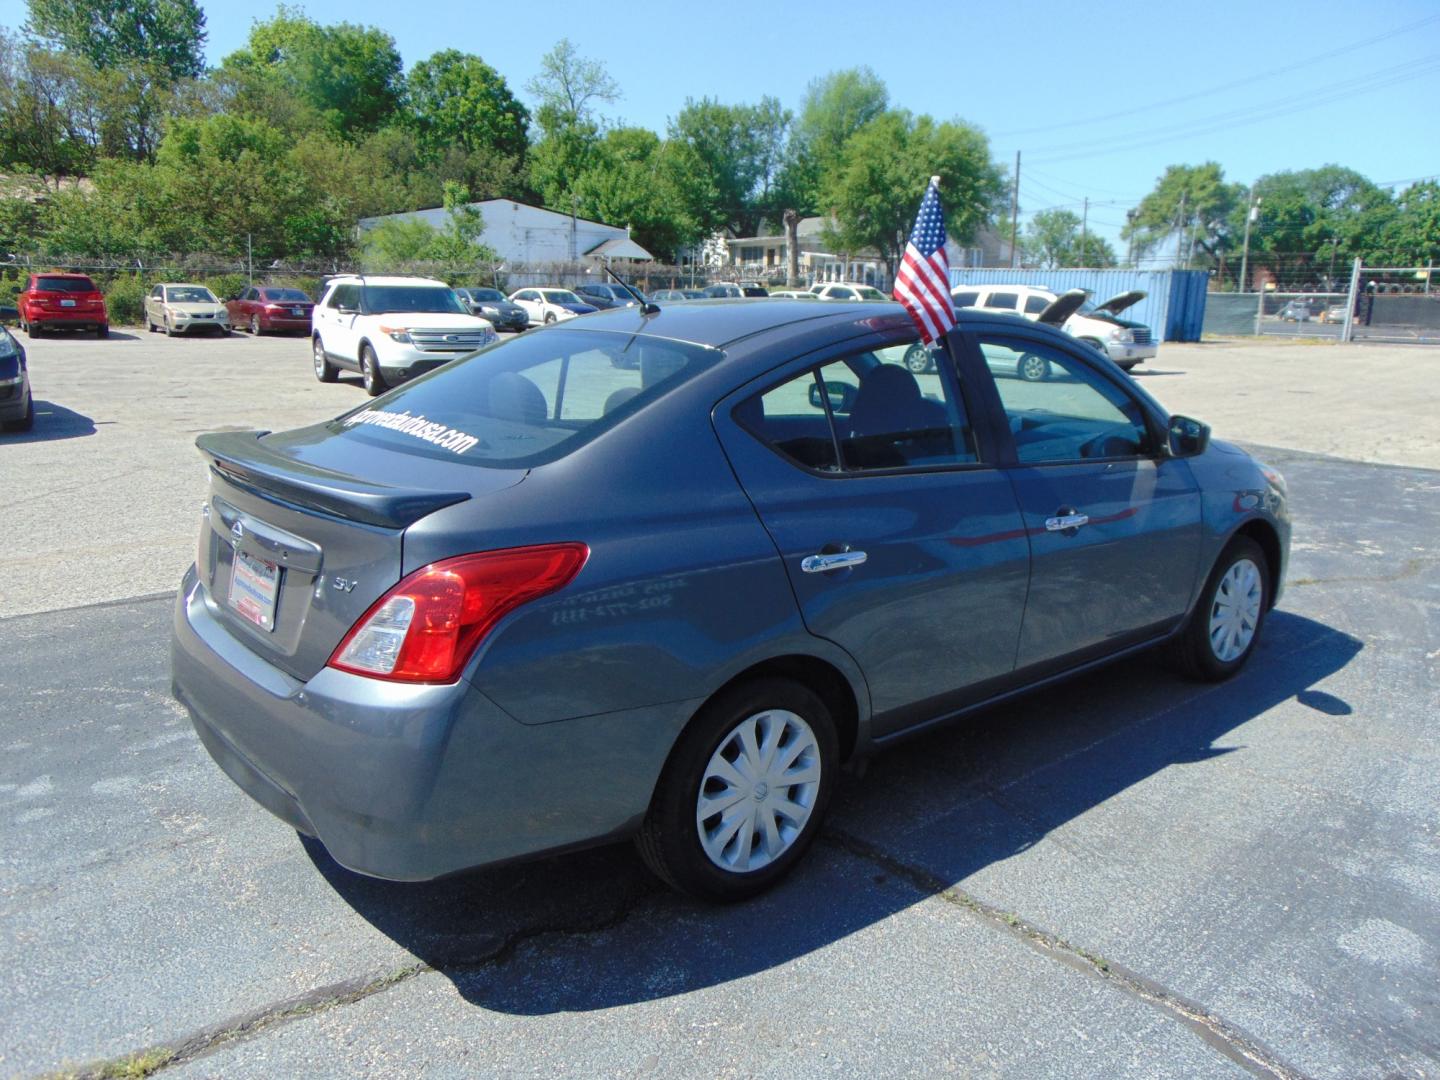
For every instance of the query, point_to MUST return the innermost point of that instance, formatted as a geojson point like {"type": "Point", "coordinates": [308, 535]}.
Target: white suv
{"type": "Point", "coordinates": [391, 329]}
{"type": "Point", "coordinates": [1127, 343]}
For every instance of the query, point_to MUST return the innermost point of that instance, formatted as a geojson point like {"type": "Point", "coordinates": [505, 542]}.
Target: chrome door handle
{"type": "Point", "coordinates": [1066, 521]}
{"type": "Point", "coordinates": [818, 564]}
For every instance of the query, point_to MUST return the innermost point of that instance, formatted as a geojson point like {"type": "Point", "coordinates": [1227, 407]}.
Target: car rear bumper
{"type": "Point", "coordinates": [14, 400]}
{"type": "Point", "coordinates": [275, 322]}
{"type": "Point", "coordinates": [408, 782]}
{"type": "Point", "coordinates": [72, 320]}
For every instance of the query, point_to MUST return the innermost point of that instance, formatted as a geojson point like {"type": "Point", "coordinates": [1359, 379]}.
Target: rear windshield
{"type": "Point", "coordinates": [486, 294]}
{"type": "Point", "coordinates": [380, 299]}
{"type": "Point", "coordinates": [528, 400]}
{"type": "Point", "coordinates": [292, 295]}
{"type": "Point", "coordinates": [64, 284]}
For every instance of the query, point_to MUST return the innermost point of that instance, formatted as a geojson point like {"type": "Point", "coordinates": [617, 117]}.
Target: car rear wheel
{"type": "Point", "coordinates": [325, 371]}
{"type": "Point", "coordinates": [744, 792]}
{"type": "Point", "coordinates": [1033, 368]}
{"type": "Point", "coordinates": [102, 331]}
{"type": "Point", "coordinates": [375, 384]}
{"type": "Point", "coordinates": [1226, 623]}
{"type": "Point", "coordinates": [32, 330]}
{"type": "Point", "coordinates": [255, 325]}
{"type": "Point", "coordinates": [549, 317]}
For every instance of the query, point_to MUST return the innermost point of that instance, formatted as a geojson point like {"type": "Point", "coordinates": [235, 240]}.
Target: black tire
{"type": "Point", "coordinates": [325, 371]}
{"type": "Point", "coordinates": [26, 422]}
{"type": "Point", "coordinates": [1192, 651]}
{"type": "Point", "coordinates": [149, 326]}
{"type": "Point", "coordinates": [917, 359]}
{"type": "Point", "coordinates": [669, 838]}
{"type": "Point", "coordinates": [549, 318]}
{"type": "Point", "coordinates": [375, 383]}
{"type": "Point", "coordinates": [255, 325]}
{"type": "Point", "coordinates": [102, 331]}
{"type": "Point", "coordinates": [169, 329]}
{"type": "Point", "coordinates": [1033, 367]}
{"type": "Point", "coordinates": [32, 330]}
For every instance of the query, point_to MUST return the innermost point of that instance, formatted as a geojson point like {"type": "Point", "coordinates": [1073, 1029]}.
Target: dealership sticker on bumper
{"type": "Point", "coordinates": [254, 584]}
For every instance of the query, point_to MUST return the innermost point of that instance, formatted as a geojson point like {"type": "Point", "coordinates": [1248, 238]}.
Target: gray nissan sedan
{"type": "Point", "coordinates": [663, 573]}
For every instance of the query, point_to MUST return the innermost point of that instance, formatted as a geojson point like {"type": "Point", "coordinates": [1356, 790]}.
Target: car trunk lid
{"type": "Point", "coordinates": [296, 545]}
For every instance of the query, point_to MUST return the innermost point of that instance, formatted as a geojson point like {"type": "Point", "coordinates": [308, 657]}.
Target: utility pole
{"type": "Point", "coordinates": [249, 260]}
{"type": "Point", "coordinates": [1250, 216]}
{"type": "Point", "coordinates": [1015, 215]}
{"type": "Point", "coordinates": [1084, 227]}
{"type": "Point", "coordinates": [1130, 223]}
{"type": "Point", "coordinates": [1180, 231]}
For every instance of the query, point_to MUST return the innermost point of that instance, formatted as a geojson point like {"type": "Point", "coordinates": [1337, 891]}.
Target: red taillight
{"type": "Point", "coordinates": [427, 627]}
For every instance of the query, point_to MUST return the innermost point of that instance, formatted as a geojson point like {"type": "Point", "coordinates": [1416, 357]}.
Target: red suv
{"type": "Point", "coordinates": [59, 301]}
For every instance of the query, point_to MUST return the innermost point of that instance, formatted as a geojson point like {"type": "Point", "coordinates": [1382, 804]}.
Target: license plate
{"type": "Point", "coordinates": [254, 584]}
{"type": "Point", "coordinates": [67, 303]}
{"type": "Point", "coordinates": [298, 312]}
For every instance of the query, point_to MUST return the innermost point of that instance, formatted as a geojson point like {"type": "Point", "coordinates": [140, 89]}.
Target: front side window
{"type": "Point", "coordinates": [880, 416]}
{"type": "Point", "coordinates": [965, 299]}
{"type": "Point", "coordinates": [529, 400]}
{"type": "Point", "coordinates": [1058, 409]}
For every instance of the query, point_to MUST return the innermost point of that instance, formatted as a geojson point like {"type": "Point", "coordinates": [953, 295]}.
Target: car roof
{"type": "Point", "coordinates": [60, 273]}
{"type": "Point", "coordinates": [381, 279]}
{"type": "Point", "coordinates": [182, 285]}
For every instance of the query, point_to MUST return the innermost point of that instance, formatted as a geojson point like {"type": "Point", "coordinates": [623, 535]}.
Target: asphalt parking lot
{"type": "Point", "coordinates": [1129, 875]}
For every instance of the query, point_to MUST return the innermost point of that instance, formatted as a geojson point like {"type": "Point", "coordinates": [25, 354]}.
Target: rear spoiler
{"type": "Point", "coordinates": [242, 459]}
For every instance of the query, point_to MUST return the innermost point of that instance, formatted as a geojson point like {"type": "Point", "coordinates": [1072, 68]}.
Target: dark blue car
{"type": "Point", "coordinates": [663, 575]}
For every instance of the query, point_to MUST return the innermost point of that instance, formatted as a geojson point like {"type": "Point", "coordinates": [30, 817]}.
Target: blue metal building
{"type": "Point", "coordinates": [1174, 306]}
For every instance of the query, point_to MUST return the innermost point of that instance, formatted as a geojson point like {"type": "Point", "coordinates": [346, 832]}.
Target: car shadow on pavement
{"type": "Point", "coordinates": [521, 938]}
{"type": "Point", "coordinates": [53, 422]}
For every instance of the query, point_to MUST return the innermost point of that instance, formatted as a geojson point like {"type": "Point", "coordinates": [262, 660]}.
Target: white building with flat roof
{"type": "Point", "coordinates": [532, 235]}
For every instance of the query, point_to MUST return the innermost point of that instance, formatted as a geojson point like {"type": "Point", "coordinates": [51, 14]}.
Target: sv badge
{"type": "Point", "coordinates": [343, 584]}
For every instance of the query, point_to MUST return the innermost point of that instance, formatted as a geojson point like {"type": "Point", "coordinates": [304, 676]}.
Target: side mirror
{"type": "Point", "coordinates": [1188, 437]}
{"type": "Point", "coordinates": [841, 395]}
{"type": "Point", "coordinates": [345, 309]}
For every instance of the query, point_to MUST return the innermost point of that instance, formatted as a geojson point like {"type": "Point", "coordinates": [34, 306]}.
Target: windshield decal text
{"type": "Point", "coordinates": [447, 438]}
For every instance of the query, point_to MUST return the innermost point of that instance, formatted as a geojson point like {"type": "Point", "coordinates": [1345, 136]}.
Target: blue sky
{"type": "Point", "coordinates": [1081, 91]}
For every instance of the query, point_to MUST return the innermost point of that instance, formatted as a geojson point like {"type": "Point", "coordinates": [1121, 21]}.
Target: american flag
{"type": "Point", "coordinates": [923, 283]}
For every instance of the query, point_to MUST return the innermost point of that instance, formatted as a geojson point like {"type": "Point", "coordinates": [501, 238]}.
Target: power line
{"type": "Point", "coordinates": [1222, 87]}
{"type": "Point", "coordinates": [1282, 107]}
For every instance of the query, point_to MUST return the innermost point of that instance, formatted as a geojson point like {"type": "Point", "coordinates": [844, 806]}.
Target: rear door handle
{"type": "Point", "coordinates": [1063, 522]}
{"type": "Point", "coordinates": [818, 564]}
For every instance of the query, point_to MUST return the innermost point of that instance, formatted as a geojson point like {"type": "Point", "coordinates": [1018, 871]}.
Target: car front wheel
{"type": "Point", "coordinates": [375, 384]}
{"type": "Point", "coordinates": [1226, 623]}
{"type": "Point", "coordinates": [744, 792]}
{"type": "Point", "coordinates": [255, 325]}
{"type": "Point", "coordinates": [549, 318]}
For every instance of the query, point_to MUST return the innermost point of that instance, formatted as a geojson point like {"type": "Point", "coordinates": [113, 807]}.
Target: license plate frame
{"type": "Point", "coordinates": [298, 312]}
{"type": "Point", "coordinates": [67, 303]}
{"type": "Point", "coordinates": [254, 589]}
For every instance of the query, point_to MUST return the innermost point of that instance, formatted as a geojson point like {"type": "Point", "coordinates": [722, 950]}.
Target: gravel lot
{"type": "Point", "coordinates": [1127, 876]}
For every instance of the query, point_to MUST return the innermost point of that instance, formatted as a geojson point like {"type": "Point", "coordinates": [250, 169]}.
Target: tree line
{"type": "Point", "coordinates": [133, 145]}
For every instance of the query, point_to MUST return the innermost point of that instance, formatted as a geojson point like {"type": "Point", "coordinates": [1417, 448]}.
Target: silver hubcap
{"type": "Point", "coordinates": [1236, 611]}
{"type": "Point", "coordinates": [758, 791]}
{"type": "Point", "coordinates": [1032, 368]}
{"type": "Point", "coordinates": [319, 358]}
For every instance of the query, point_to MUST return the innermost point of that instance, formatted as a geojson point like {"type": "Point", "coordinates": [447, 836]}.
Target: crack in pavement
{"type": "Point", "coordinates": [166, 1055]}
{"type": "Point", "coordinates": [1407, 569]}
{"type": "Point", "coordinates": [1240, 1047]}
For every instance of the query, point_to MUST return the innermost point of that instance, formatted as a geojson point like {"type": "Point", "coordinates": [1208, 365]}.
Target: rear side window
{"type": "Point", "coordinates": [1002, 300]}
{"type": "Point", "coordinates": [64, 284]}
{"type": "Point", "coordinates": [881, 414]}
{"type": "Point", "coordinates": [529, 400]}
{"type": "Point", "coordinates": [1035, 304]}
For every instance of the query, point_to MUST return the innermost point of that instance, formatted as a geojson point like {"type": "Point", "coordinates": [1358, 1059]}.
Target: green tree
{"type": "Point", "coordinates": [734, 154]}
{"type": "Point", "coordinates": [1195, 202]}
{"type": "Point", "coordinates": [567, 90]}
{"type": "Point", "coordinates": [1413, 237]}
{"type": "Point", "coordinates": [875, 192]}
{"type": "Point", "coordinates": [352, 76]}
{"type": "Point", "coordinates": [398, 241]}
{"type": "Point", "coordinates": [1313, 221]}
{"type": "Point", "coordinates": [168, 35]}
{"type": "Point", "coordinates": [834, 107]}
{"type": "Point", "coordinates": [456, 100]}
{"type": "Point", "coordinates": [636, 180]}
{"type": "Point", "coordinates": [1054, 239]}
